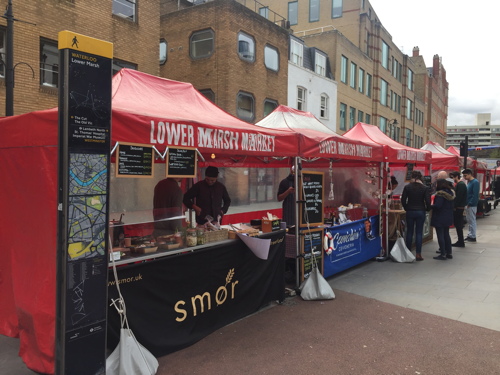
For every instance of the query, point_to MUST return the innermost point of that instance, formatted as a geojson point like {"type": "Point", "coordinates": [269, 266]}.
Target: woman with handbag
{"type": "Point", "coordinates": [442, 216]}
{"type": "Point", "coordinates": [416, 200]}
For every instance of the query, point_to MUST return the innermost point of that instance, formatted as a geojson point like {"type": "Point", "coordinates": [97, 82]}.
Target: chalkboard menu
{"type": "Point", "coordinates": [134, 160]}
{"type": "Point", "coordinates": [311, 191]}
{"type": "Point", "coordinates": [181, 162]}
{"type": "Point", "coordinates": [409, 170]}
{"type": "Point", "coordinates": [311, 239]}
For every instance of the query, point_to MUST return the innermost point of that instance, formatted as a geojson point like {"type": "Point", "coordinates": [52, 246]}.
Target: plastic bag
{"type": "Point", "coordinates": [130, 357]}
{"type": "Point", "coordinates": [400, 252]}
{"type": "Point", "coordinates": [315, 287]}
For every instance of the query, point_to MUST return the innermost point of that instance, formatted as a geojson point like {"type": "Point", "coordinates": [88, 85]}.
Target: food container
{"type": "Point", "coordinates": [191, 239]}
{"type": "Point", "coordinates": [270, 225]}
{"type": "Point", "coordinates": [200, 236]}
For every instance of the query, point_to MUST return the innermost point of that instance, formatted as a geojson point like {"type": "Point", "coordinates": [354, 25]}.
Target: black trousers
{"type": "Point", "coordinates": [458, 222]}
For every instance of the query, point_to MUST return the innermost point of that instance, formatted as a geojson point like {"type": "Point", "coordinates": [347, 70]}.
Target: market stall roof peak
{"type": "Point", "coordinates": [317, 140]}
{"type": "Point", "coordinates": [393, 151]}
{"type": "Point", "coordinates": [441, 158]}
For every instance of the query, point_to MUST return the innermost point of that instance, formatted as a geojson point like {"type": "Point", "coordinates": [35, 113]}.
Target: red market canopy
{"type": "Point", "coordinates": [145, 110]}
{"type": "Point", "coordinates": [162, 112]}
{"type": "Point", "coordinates": [441, 158]}
{"type": "Point", "coordinates": [317, 140]}
{"type": "Point", "coordinates": [394, 152]}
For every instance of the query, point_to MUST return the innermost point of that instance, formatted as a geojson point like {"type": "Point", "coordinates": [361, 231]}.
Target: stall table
{"type": "Point", "coordinates": [174, 301]}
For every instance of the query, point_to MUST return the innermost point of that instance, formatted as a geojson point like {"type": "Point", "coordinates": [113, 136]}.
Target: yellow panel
{"type": "Point", "coordinates": [82, 43]}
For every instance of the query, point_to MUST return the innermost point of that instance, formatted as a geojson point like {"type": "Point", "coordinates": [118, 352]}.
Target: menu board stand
{"type": "Point", "coordinates": [310, 239]}
{"type": "Point", "coordinates": [311, 194]}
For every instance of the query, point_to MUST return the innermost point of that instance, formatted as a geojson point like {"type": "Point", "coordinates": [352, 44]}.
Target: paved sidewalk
{"type": "Point", "coordinates": [430, 317]}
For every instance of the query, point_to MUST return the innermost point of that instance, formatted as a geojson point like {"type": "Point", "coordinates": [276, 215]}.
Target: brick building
{"type": "Point", "coordinates": [134, 30]}
{"type": "Point", "coordinates": [377, 82]}
{"type": "Point", "coordinates": [233, 55]}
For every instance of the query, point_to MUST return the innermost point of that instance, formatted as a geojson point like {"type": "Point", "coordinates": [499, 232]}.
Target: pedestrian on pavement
{"type": "Point", "coordinates": [471, 204]}
{"type": "Point", "coordinates": [459, 207]}
{"type": "Point", "coordinates": [442, 216]}
{"type": "Point", "coordinates": [416, 200]}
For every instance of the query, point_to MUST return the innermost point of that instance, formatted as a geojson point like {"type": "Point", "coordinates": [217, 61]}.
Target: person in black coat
{"type": "Point", "coordinates": [442, 216]}
{"type": "Point", "coordinates": [416, 201]}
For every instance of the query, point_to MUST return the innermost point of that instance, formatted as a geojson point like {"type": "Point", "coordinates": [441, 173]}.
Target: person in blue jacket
{"type": "Point", "coordinates": [442, 216]}
{"type": "Point", "coordinates": [471, 205]}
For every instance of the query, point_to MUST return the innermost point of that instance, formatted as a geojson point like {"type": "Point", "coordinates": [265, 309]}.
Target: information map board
{"type": "Point", "coordinates": [134, 160]}
{"type": "Point", "coordinates": [311, 192]}
{"type": "Point", "coordinates": [312, 239]}
{"type": "Point", "coordinates": [181, 162]}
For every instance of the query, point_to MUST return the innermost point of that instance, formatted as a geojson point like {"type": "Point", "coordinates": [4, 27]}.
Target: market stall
{"type": "Point", "coordinates": [341, 190]}
{"type": "Point", "coordinates": [400, 161]}
{"type": "Point", "coordinates": [441, 158]}
{"type": "Point", "coordinates": [148, 112]}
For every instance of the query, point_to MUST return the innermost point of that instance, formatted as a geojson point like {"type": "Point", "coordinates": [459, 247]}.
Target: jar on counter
{"type": "Point", "coordinates": [200, 236]}
{"type": "Point", "coordinates": [191, 239]}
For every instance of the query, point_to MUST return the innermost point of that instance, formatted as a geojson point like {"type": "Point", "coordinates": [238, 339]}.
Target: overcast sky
{"type": "Point", "coordinates": [465, 35]}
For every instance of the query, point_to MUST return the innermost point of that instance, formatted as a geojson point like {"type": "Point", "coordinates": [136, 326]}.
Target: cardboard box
{"type": "Point", "coordinates": [270, 225]}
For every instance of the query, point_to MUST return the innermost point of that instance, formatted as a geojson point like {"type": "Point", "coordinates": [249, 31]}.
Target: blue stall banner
{"type": "Point", "coordinates": [352, 243]}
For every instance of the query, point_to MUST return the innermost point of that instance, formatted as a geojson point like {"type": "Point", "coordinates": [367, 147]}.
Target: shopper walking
{"type": "Point", "coordinates": [416, 200]}
{"type": "Point", "coordinates": [459, 207]}
{"type": "Point", "coordinates": [442, 216]}
{"type": "Point", "coordinates": [471, 204]}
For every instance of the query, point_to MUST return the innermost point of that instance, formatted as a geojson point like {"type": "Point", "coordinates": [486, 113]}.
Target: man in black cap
{"type": "Point", "coordinates": [208, 197]}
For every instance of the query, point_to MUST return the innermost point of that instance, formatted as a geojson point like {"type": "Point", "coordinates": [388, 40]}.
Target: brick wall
{"type": "Point", "coordinates": [224, 72]}
{"type": "Point", "coordinates": [135, 42]}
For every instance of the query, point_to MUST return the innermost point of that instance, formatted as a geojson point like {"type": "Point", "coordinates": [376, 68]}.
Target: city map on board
{"type": "Point", "coordinates": [88, 178]}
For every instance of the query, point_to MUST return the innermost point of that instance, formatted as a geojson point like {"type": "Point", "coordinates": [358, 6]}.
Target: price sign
{"type": "Point", "coordinates": [134, 160]}
{"type": "Point", "coordinates": [181, 162]}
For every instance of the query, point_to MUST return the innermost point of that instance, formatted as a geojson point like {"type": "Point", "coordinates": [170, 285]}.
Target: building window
{"type": "Point", "coordinates": [246, 47]}
{"type": "Point", "coordinates": [383, 92]}
{"type": "Point", "coordinates": [293, 12]}
{"type": "Point", "coordinates": [352, 81]}
{"type": "Point", "coordinates": [120, 64]}
{"type": "Point", "coordinates": [320, 64]}
{"type": "Point", "coordinates": [352, 117]}
{"type": "Point", "coordinates": [383, 124]}
{"type": "Point", "coordinates": [369, 85]}
{"type": "Point", "coordinates": [2, 52]}
{"type": "Point", "coordinates": [209, 94]}
{"type": "Point", "coordinates": [361, 80]}
{"type": "Point", "coordinates": [301, 98]}
{"type": "Point", "coordinates": [245, 106]}
{"type": "Point", "coordinates": [398, 133]}
{"type": "Point", "coordinates": [360, 116]}
{"type": "Point", "coordinates": [409, 109]}
{"type": "Point", "coordinates": [385, 55]}
{"type": "Point", "coordinates": [408, 137]}
{"type": "Point", "coordinates": [410, 79]}
{"type": "Point", "coordinates": [343, 110]}
{"type": "Point", "coordinates": [343, 69]}
{"type": "Point", "coordinates": [49, 63]}
{"type": "Point", "coordinates": [313, 10]}
{"type": "Point", "coordinates": [269, 106]}
{"type": "Point", "coordinates": [264, 12]}
{"type": "Point", "coordinates": [323, 110]}
{"type": "Point", "coordinates": [296, 51]}
{"type": "Point", "coordinates": [368, 118]}
{"type": "Point", "coordinates": [336, 8]}
{"type": "Point", "coordinates": [163, 51]}
{"type": "Point", "coordinates": [201, 44]}
{"type": "Point", "coordinates": [271, 58]}
{"type": "Point", "coordinates": [125, 9]}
